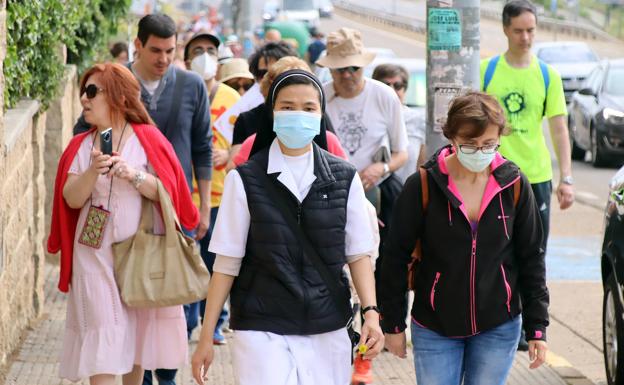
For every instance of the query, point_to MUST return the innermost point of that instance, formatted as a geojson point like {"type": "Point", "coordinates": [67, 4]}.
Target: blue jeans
{"type": "Point", "coordinates": [195, 311]}
{"type": "Point", "coordinates": [164, 376]}
{"type": "Point", "coordinates": [483, 359]}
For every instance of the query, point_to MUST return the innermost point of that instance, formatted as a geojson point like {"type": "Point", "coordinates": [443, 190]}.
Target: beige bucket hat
{"type": "Point", "coordinates": [234, 68]}
{"type": "Point", "coordinates": [345, 49]}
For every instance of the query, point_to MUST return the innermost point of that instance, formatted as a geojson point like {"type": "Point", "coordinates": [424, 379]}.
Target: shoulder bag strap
{"type": "Point", "coordinates": [516, 188]}
{"type": "Point", "coordinates": [280, 199]}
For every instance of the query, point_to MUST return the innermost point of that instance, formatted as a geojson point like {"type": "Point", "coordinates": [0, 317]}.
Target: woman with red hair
{"type": "Point", "coordinates": [104, 337]}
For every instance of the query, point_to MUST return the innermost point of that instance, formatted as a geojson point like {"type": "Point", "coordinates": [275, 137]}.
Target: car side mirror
{"type": "Point", "coordinates": [587, 92]}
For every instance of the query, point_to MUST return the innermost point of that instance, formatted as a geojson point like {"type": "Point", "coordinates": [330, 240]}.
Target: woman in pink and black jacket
{"type": "Point", "coordinates": [481, 271]}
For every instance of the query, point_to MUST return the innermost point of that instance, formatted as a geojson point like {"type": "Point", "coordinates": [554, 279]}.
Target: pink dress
{"type": "Point", "coordinates": [102, 334]}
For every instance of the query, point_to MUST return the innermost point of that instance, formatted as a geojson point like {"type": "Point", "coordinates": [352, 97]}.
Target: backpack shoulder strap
{"type": "Point", "coordinates": [546, 77]}
{"type": "Point", "coordinates": [489, 72]}
{"type": "Point", "coordinates": [516, 188]}
{"type": "Point", "coordinates": [424, 187]}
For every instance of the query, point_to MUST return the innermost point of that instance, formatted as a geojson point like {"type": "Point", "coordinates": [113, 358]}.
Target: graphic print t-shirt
{"type": "Point", "coordinates": [365, 122]}
{"type": "Point", "coordinates": [521, 93]}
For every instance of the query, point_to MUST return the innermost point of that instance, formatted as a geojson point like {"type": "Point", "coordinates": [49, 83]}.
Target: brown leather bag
{"type": "Point", "coordinates": [412, 267]}
{"type": "Point", "coordinates": [159, 270]}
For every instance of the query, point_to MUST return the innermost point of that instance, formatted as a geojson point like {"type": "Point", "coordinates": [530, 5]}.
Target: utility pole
{"type": "Point", "coordinates": [452, 60]}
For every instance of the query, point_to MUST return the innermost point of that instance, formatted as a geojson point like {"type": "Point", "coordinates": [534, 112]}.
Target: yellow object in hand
{"type": "Point", "coordinates": [362, 349]}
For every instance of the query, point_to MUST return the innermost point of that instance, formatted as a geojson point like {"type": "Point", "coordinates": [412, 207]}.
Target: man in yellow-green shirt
{"type": "Point", "coordinates": [530, 90]}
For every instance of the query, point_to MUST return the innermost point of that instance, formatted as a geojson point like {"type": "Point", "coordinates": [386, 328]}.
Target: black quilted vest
{"type": "Point", "coordinates": [278, 290]}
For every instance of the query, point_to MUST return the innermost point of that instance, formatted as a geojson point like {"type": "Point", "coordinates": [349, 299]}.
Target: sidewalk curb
{"type": "Point", "coordinates": [564, 369]}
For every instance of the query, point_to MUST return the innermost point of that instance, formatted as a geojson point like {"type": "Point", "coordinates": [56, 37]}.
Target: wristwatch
{"type": "Point", "coordinates": [567, 180]}
{"type": "Point", "coordinates": [373, 307]}
{"type": "Point", "coordinates": [386, 168]}
{"type": "Point", "coordinates": [139, 178]}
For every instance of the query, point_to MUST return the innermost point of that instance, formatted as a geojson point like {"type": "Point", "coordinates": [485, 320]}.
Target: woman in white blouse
{"type": "Point", "coordinates": [288, 317]}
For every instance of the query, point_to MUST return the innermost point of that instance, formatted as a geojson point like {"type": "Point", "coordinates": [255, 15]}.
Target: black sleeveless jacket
{"type": "Point", "coordinates": [278, 289]}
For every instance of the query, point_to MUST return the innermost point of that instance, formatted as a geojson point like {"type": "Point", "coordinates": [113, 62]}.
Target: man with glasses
{"type": "Point", "coordinates": [397, 77]}
{"type": "Point", "coordinates": [368, 119]}
{"type": "Point", "coordinates": [201, 56]}
{"type": "Point", "coordinates": [177, 101]}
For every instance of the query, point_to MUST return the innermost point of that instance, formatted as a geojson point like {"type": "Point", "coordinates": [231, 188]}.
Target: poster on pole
{"type": "Point", "coordinates": [443, 94]}
{"type": "Point", "coordinates": [444, 29]}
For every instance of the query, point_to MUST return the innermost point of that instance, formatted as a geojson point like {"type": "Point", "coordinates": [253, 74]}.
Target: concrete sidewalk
{"type": "Point", "coordinates": [36, 361]}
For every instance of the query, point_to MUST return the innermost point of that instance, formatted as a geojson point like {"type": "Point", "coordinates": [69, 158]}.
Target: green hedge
{"type": "Point", "coordinates": [36, 29]}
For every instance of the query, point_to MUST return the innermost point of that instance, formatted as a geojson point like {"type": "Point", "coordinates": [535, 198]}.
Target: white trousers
{"type": "Point", "coordinates": [262, 358]}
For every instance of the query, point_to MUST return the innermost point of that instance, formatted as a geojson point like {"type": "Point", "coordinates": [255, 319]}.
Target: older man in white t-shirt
{"type": "Point", "coordinates": [365, 113]}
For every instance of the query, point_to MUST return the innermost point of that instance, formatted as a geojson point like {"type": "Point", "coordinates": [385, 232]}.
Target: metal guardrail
{"type": "Point", "coordinates": [383, 17]}
{"type": "Point", "coordinates": [420, 26]}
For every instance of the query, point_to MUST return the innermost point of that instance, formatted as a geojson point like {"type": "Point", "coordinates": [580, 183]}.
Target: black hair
{"type": "Point", "coordinates": [515, 8]}
{"type": "Point", "coordinates": [158, 24]}
{"type": "Point", "coordinates": [265, 133]}
{"type": "Point", "coordinates": [272, 50]}
{"type": "Point", "coordinates": [118, 48]}
{"type": "Point", "coordinates": [290, 81]}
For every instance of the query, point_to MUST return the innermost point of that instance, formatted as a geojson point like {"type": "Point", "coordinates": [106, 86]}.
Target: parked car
{"type": "Point", "coordinates": [270, 11]}
{"type": "Point", "coordinates": [596, 115]}
{"type": "Point", "coordinates": [326, 8]}
{"type": "Point", "coordinates": [612, 262]}
{"type": "Point", "coordinates": [574, 60]}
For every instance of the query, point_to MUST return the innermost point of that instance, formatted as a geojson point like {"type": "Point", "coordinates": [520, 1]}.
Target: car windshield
{"type": "Point", "coordinates": [615, 81]}
{"type": "Point", "coordinates": [566, 54]}
{"type": "Point", "coordinates": [298, 5]}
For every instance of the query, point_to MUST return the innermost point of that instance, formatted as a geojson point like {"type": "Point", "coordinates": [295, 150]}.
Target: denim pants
{"type": "Point", "coordinates": [195, 311]}
{"type": "Point", "coordinates": [543, 192]}
{"type": "Point", "coordinates": [483, 359]}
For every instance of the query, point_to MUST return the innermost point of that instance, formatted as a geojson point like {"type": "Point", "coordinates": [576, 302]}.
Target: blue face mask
{"type": "Point", "coordinates": [476, 162]}
{"type": "Point", "coordinates": [296, 129]}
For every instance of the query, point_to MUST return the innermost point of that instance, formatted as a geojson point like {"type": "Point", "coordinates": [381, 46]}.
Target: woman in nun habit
{"type": "Point", "coordinates": [290, 308]}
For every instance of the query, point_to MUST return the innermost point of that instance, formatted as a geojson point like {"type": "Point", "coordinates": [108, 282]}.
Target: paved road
{"type": "Point", "coordinates": [496, 41]}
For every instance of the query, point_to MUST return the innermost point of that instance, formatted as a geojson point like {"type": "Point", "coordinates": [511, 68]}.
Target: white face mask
{"type": "Point", "coordinates": [205, 65]}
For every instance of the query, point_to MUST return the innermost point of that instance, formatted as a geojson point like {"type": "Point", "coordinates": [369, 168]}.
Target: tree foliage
{"type": "Point", "coordinates": [37, 30]}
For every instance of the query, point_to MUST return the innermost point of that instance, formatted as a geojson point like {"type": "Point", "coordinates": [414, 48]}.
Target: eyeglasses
{"type": "Point", "coordinates": [469, 149]}
{"type": "Point", "coordinates": [398, 86]}
{"type": "Point", "coordinates": [200, 51]}
{"type": "Point", "coordinates": [351, 70]}
{"type": "Point", "coordinates": [238, 84]}
{"type": "Point", "coordinates": [91, 90]}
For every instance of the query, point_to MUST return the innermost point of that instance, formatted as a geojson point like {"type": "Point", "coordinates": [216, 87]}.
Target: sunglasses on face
{"type": "Point", "coordinates": [398, 86]}
{"type": "Point", "coordinates": [237, 85]}
{"type": "Point", "coordinates": [91, 90]}
{"type": "Point", "coordinates": [351, 70]}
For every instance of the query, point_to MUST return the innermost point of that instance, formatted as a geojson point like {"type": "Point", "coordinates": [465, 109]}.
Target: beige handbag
{"type": "Point", "coordinates": [159, 270]}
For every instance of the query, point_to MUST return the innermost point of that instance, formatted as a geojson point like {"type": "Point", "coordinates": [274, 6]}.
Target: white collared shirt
{"type": "Point", "coordinates": [229, 237]}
